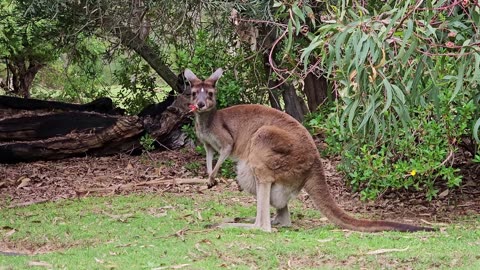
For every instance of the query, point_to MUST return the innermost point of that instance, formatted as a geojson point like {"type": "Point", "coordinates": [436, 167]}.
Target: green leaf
{"type": "Point", "coordinates": [306, 52]}
{"type": "Point", "coordinates": [418, 77]}
{"type": "Point", "coordinates": [459, 83]}
{"type": "Point", "coordinates": [290, 36]}
{"type": "Point", "coordinates": [476, 72]}
{"type": "Point", "coordinates": [398, 93]}
{"type": "Point", "coordinates": [345, 113]}
{"type": "Point", "coordinates": [339, 43]}
{"type": "Point", "coordinates": [351, 114]}
{"type": "Point", "coordinates": [298, 12]}
{"type": "Point", "coordinates": [277, 4]}
{"type": "Point", "coordinates": [408, 32]}
{"type": "Point", "coordinates": [308, 10]}
{"type": "Point", "coordinates": [377, 126]}
{"type": "Point", "coordinates": [476, 130]}
{"type": "Point", "coordinates": [388, 93]}
{"type": "Point", "coordinates": [370, 110]}
{"type": "Point", "coordinates": [297, 26]}
{"type": "Point", "coordinates": [363, 49]}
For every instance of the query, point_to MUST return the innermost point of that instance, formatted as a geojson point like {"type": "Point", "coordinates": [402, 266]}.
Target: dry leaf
{"type": "Point", "coordinates": [325, 240]}
{"type": "Point", "coordinates": [121, 218]}
{"type": "Point", "coordinates": [386, 250]}
{"type": "Point", "coordinates": [3, 183]}
{"type": "Point", "coordinates": [178, 266]}
{"type": "Point", "coordinates": [443, 194]}
{"type": "Point", "coordinates": [199, 215]}
{"type": "Point", "coordinates": [9, 233]}
{"type": "Point", "coordinates": [24, 181]}
{"type": "Point", "coordinates": [197, 246]}
{"type": "Point", "coordinates": [40, 264]}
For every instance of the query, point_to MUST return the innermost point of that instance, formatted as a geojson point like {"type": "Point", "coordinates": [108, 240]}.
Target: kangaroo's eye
{"type": "Point", "coordinates": [210, 94]}
{"type": "Point", "coordinates": [194, 94]}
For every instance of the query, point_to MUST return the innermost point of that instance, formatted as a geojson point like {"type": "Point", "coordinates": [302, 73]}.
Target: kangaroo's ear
{"type": "Point", "coordinates": [190, 76]}
{"type": "Point", "coordinates": [215, 76]}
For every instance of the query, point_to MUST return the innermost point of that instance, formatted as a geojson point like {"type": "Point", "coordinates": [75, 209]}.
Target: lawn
{"type": "Point", "coordinates": [172, 231]}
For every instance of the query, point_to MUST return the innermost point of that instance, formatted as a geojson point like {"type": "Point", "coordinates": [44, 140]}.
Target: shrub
{"type": "Point", "coordinates": [413, 158]}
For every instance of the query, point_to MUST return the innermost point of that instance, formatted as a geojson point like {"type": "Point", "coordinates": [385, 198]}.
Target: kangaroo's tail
{"type": "Point", "coordinates": [318, 190]}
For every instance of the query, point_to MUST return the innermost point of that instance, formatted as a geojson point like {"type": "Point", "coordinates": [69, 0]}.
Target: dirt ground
{"type": "Point", "coordinates": [42, 181]}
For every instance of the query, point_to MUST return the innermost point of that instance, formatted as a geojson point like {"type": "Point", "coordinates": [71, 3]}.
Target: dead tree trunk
{"type": "Point", "coordinates": [43, 130]}
{"type": "Point", "coordinates": [316, 90]}
{"type": "Point", "coordinates": [294, 105]}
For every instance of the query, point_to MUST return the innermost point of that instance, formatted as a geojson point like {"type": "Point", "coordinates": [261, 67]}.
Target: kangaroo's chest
{"type": "Point", "coordinates": [205, 136]}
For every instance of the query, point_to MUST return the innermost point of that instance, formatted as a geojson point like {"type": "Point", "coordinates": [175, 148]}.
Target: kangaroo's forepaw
{"type": "Point", "coordinates": [211, 183]}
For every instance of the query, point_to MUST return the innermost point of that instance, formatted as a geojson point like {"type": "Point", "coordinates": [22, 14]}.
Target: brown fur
{"type": "Point", "coordinates": [276, 158]}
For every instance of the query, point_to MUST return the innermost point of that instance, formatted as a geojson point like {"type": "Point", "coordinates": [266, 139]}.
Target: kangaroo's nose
{"type": "Point", "coordinates": [201, 105]}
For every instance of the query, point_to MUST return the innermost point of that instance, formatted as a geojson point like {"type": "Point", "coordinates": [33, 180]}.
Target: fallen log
{"type": "Point", "coordinates": [42, 130]}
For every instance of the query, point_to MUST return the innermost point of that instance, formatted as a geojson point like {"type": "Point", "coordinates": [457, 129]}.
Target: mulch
{"type": "Point", "coordinates": [175, 171]}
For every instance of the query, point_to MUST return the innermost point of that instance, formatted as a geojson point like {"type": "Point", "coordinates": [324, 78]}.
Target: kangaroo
{"type": "Point", "coordinates": [276, 157]}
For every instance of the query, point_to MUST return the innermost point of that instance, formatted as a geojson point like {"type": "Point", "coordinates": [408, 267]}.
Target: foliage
{"type": "Point", "coordinates": [408, 80]}
{"type": "Point", "coordinates": [74, 66]}
{"type": "Point", "coordinates": [408, 158]}
{"type": "Point", "coordinates": [147, 142]}
{"type": "Point", "coordinates": [25, 47]}
{"type": "Point", "coordinates": [228, 169]}
{"type": "Point", "coordinates": [210, 53]}
{"type": "Point", "coordinates": [77, 75]}
{"type": "Point", "coordinates": [139, 84]}
{"type": "Point", "coordinates": [189, 130]}
{"type": "Point", "coordinates": [476, 159]}
{"type": "Point", "coordinates": [85, 72]}
{"type": "Point", "coordinates": [194, 167]}
{"type": "Point", "coordinates": [22, 38]}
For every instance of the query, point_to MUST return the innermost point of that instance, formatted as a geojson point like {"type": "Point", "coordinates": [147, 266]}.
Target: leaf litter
{"type": "Point", "coordinates": [167, 172]}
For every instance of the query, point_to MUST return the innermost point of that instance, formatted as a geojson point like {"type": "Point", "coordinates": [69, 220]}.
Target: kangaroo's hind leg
{"type": "Point", "coordinates": [262, 220]}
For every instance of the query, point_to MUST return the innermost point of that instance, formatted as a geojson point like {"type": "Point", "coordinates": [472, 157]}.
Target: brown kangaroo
{"type": "Point", "coordinates": [276, 157]}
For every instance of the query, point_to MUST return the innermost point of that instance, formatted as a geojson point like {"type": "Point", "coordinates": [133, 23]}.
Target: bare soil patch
{"type": "Point", "coordinates": [43, 181]}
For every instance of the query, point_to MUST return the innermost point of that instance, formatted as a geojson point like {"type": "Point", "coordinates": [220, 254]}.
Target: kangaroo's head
{"type": "Point", "coordinates": [203, 92]}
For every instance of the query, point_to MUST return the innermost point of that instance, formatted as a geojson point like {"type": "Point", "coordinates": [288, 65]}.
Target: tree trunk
{"type": "Point", "coordinates": [274, 97]}
{"type": "Point", "coordinates": [23, 73]}
{"type": "Point", "coordinates": [294, 105]}
{"type": "Point", "coordinates": [42, 130]}
{"type": "Point", "coordinates": [316, 91]}
{"type": "Point", "coordinates": [133, 41]}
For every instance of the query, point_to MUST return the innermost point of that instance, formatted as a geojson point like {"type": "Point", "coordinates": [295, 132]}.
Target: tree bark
{"type": "Point", "coordinates": [43, 130]}
{"type": "Point", "coordinates": [23, 73]}
{"type": "Point", "coordinates": [133, 41]}
{"type": "Point", "coordinates": [294, 105]}
{"type": "Point", "coordinates": [316, 90]}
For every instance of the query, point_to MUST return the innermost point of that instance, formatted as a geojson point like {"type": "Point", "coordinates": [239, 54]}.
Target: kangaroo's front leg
{"type": "Point", "coordinates": [223, 155]}
{"type": "Point", "coordinates": [210, 153]}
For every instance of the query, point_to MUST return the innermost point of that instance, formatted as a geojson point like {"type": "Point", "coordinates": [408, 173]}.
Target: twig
{"type": "Point", "coordinates": [404, 18]}
{"type": "Point", "coordinates": [450, 155]}
{"type": "Point", "coordinates": [28, 203]}
{"type": "Point", "coordinates": [181, 181]}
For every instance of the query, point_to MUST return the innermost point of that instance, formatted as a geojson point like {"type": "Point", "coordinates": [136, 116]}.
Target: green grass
{"type": "Point", "coordinates": [170, 230]}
